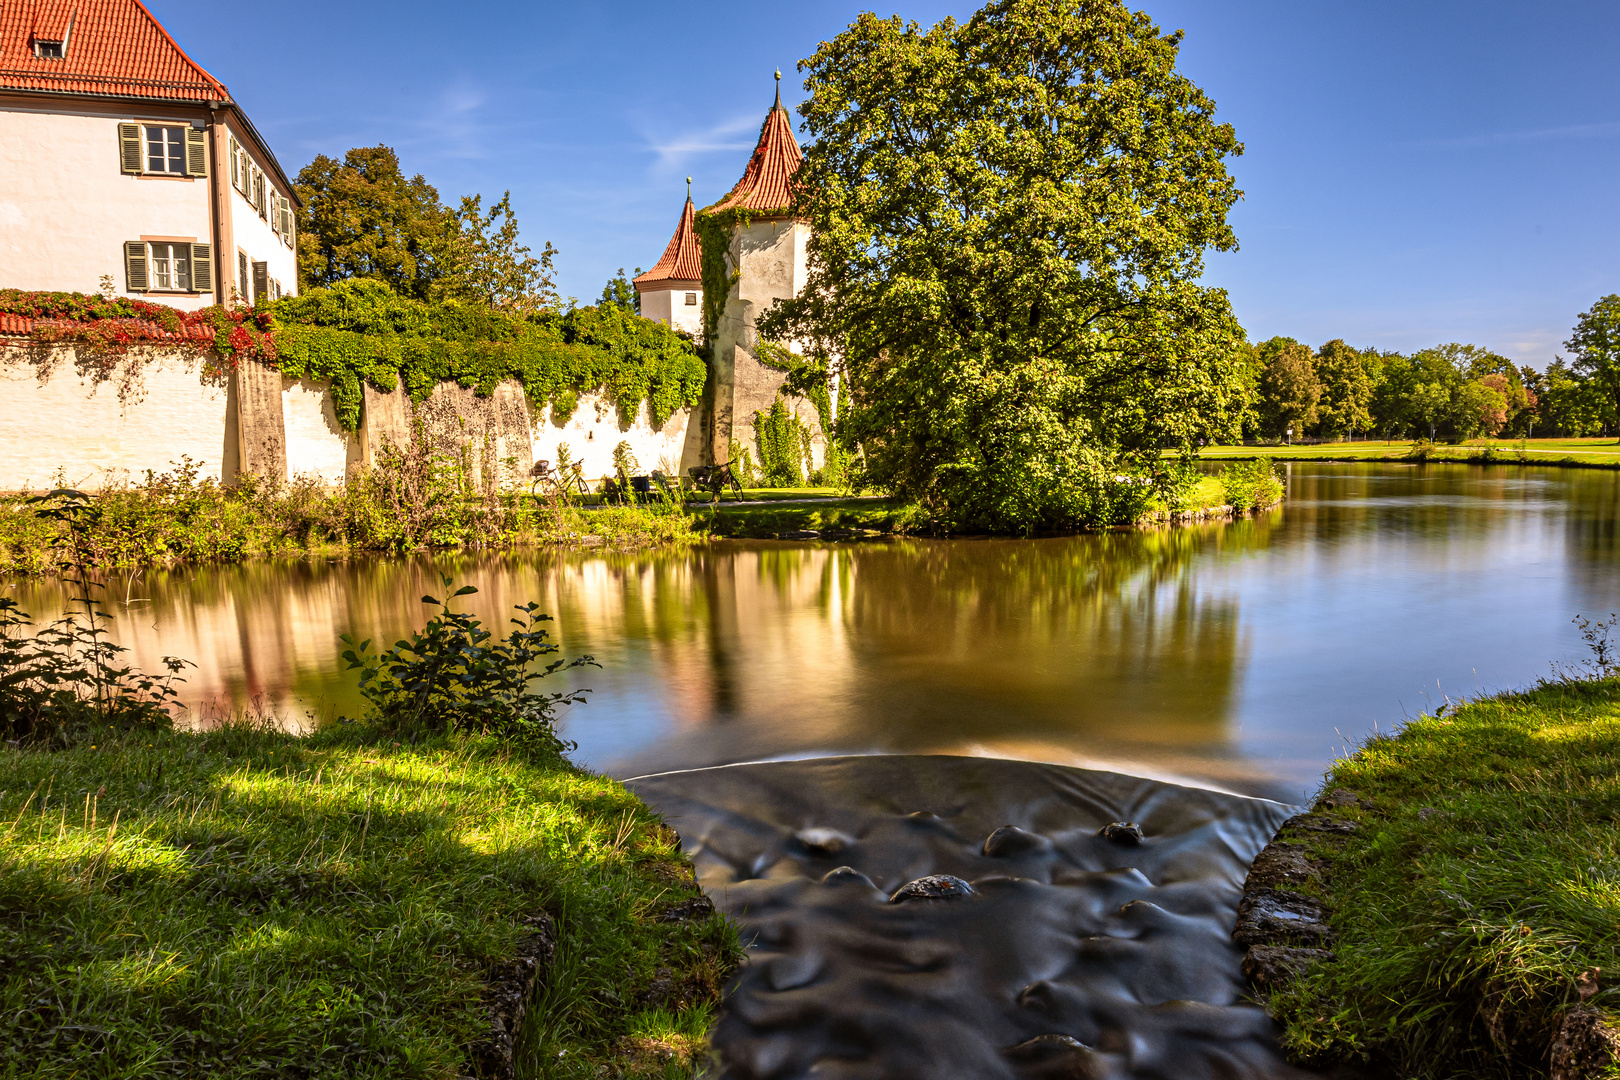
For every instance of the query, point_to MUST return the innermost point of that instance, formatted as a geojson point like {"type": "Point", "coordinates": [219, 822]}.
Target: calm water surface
{"type": "Point", "coordinates": [1242, 655]}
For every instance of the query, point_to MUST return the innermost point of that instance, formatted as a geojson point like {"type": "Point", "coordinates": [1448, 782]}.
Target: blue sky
{"type": "Point", "coordinates": [1416, 172]}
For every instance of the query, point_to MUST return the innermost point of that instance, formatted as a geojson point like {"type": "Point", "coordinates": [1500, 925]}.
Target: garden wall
{"type": "Point", "coordinates": [160, 404]}
{"type": "Point", "coordinates": [57, 417]}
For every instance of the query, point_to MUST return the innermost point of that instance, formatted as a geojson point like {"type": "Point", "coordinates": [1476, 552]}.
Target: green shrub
{"type": "Point", "coordinates": [784, 446]}
{"type": "Point", "coordinates": [455, 676]}
{"type": "Point", "coordinates": [1251, 484]}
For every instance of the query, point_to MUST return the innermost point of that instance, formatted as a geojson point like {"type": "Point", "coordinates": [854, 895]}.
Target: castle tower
{"type": "Point", "coordinates": [766, 262]}
{"type": "Point", "coordinates": [672, 291]}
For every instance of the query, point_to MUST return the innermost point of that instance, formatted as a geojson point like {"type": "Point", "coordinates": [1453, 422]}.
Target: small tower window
{"type": "Point", "coordinates": [691, 299]}
{"type": "Point", "coordinates": [48, 50]}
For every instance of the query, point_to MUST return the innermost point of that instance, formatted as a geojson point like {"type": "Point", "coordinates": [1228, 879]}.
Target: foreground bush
{"type": "Point", "coordinates": [1479, 903]}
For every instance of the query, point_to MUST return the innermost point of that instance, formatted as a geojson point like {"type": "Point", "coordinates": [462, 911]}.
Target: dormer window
{"type": "Point", "coordinates": [48, 50]}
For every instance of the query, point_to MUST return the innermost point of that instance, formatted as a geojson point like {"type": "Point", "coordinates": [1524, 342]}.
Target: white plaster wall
{"type": "Point", "coordinates": [67, 422]}
{"type": "Point", "coordinates": [253, 234]}
{"type": "Point", "coordinates": [66, 209]}
{"type": "Point", "coordinates": [593, 431]}
{"type": "Point", "coordinates": [669, 307]}
{"type": "Point", "coordinates": [316, 445]}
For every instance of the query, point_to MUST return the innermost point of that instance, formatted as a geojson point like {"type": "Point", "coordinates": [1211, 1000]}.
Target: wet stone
{"type": "Point", "coordinates": [1268, 966]}
{"type": "Point", "coordinates": [1341, 798]}
{"type": "Point", "coordinates": [823, 842]}
{"type": "Point", "coordinates": [1010, 840]}
{"type": "Point", "coordinates": [847, 875]}
{"type": "Point", "coordinates": [1056, 1057]}
{"type": "Point", "coordinates": [1280, 865]}
{"type": "Point", "coordinates": [1586, 1046]}
{"type": "Point", "coordinates": [932, 887]}
{"type": "Point", "coordinates": [699, 907]}
{"type": "Point", "coordinates": [1321, 823]}
{"type": "Point", "coordinates": [1128, 833]}
{"type": "Point", "coordinates": [1277, 917]}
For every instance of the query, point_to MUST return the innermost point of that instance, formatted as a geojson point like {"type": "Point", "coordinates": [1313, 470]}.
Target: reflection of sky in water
{"type": "Point", "coordinates": [1246, 655]}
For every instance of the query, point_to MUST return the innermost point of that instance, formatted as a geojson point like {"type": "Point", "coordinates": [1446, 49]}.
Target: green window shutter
{"type": "Point", "coordinates": [236, 164]}
{"type": "Point", "coordinates": [202, 267]}
{"type": "Point", "coordinates": [129, 148]}
{"type": "Point", "coordinates": [196, 152]}
{"type": "Point", "coordinates": [135, 265]}
{"type": "Point", "coordinates": [261, 281]}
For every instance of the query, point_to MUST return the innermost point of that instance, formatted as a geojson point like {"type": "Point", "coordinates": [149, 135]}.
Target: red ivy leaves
{"type": "Point", "coordinates": [112, 326]}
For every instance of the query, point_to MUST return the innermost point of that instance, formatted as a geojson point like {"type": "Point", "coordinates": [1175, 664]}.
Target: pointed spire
{"type": "Point", "coordinates": [764, 185]}
{"type": "Point", "coordinates": [682, 262]}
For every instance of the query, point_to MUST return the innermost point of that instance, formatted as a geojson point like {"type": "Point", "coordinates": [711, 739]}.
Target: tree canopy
{"type": "Point", "coordinates": [1009, 219]}
{"type": "Point", "coordinates": [1595, 342]}
{"type": "Point", "coordinates": [362, 218]}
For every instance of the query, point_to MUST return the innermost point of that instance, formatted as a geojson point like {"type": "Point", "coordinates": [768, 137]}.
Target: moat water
{"type": "Point", "coordinates": [1243, 656]}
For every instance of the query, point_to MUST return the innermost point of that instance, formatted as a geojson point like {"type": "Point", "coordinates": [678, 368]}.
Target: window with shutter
{"type": "Point", "coordinates": [196, 152]}
{"type": "Point", "coordinates": [261, 281]}
{"type": "Point", "coordinates": [236, 164]}
{"type": "Point", "coordinates": [258, 191]}
{"type": "Point", "coordinates": [129, 148]}
{"type": "Point", "coordinates": [202, 267]}
{"type": "Point", "coordinates": [135, 265]}
{"type": "Point", "coordinates": [165, 150]}
{"type": "Point", "coordinates": [243, 283]}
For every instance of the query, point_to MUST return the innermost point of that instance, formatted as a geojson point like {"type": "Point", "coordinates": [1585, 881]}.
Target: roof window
{"type": "Point", "coordinates": [48, 50]}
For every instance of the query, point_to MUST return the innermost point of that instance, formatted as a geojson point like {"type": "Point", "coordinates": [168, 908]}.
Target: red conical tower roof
{"type": "Point", "coordinates": [683, 261]}
{"type": "Point", "coordinates": [764, 185]}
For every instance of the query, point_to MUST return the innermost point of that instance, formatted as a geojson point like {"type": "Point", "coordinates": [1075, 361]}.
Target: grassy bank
{"type": "Point", "coordinates": [249, 903]}
{"type": "Point", "coordinates": [1569, 453]}
{"type": "Point", "coordinates": [181, 517]}
{"type": "Point", "coordinates": [1478, 902]}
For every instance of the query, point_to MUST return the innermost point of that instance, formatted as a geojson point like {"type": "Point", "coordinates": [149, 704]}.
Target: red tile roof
{"type": "Point", "coordinates": [115, 48]}
{"type": "Point", "coordinates": [764, 184]}
{"type": "Point", "coordinates": [138, 329]}
{"type": "Point", "coordinates": [682, 261]}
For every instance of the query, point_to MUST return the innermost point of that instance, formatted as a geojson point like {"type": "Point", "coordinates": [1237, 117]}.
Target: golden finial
{"type": "Point", "coordinates": [778, 104]}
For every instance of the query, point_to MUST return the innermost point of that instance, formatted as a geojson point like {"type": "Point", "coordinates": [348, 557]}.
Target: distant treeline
{"type": "Point", "coordinates": [1450, 392]}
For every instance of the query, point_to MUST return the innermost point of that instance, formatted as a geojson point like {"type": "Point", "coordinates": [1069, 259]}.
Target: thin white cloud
{"type": "Point", "coordinates": [1502, 138]}
{"type": "Point", "coordinates": [674, 149]}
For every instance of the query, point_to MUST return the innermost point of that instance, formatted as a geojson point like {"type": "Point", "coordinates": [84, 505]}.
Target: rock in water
{"type": "Point", "coordinates": [932, 887]}
{"type": "Point", "coordinates": [827, 842]}
{"type": "Point", "coordinates": [846, 875]}
{"type": "Point", "coordinates": [1010, 840]}
{"type": "Point", "coordinates": [1128, 833]}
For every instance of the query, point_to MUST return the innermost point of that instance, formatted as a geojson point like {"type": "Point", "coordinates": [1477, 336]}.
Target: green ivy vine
{"type": "Point", "coordinates": [360, 331]}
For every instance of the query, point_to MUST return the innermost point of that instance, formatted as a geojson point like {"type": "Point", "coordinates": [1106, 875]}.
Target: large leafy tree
{"type": "Point", "coordinates": [1347, 388]}
{"type": "Point", "coordinates": [1010, 218]}
{"type": "Point", "coordinates": [1595, 343]}
{"type": "Point", "coordinates": [362, 218]}
{"type": "Point", "coordinates": [1289, 386]}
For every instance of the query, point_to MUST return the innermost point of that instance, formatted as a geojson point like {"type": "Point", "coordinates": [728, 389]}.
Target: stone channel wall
{"type": "Point", "coordinates": [60, 420]}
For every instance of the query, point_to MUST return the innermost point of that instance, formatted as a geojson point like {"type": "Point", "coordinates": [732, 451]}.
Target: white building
{"type": "Point", "coordinates": [672, 291]}
{"type": "Point", "coordinates": [124, 159]}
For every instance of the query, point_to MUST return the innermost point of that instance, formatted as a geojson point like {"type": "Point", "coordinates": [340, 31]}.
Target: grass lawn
{"type": "Point", "coordinates": [1482, 884]}
{"type": "Point", "coordinates": [1604, 451]}
{"type": "Point", "coordinates": [246, 902]}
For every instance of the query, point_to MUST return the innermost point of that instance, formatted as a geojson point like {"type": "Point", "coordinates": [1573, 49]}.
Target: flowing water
{"type": "Point", "coordinates": [1243, 656]}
